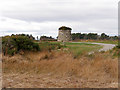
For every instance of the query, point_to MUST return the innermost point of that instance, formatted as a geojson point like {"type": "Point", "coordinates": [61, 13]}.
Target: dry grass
{"type": "Point", "coordinates": [99, 71]}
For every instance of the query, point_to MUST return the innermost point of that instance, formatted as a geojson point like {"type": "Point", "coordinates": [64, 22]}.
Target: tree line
{"type": "Point", "coordinates": [26, 35]}
{"type": "Point", "coordinates": [93, 36]}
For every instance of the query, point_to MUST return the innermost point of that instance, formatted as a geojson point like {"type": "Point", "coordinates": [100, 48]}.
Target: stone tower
{"type": "Point", "coordinates": [64, 34]}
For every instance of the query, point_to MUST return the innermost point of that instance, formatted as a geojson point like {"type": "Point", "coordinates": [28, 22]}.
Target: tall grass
{"type": "Point", "coordinates": [59, 63]}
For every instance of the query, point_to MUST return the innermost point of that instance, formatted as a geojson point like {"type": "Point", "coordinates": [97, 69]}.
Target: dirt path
{"type": "Point", "coordinates": [106, 47]}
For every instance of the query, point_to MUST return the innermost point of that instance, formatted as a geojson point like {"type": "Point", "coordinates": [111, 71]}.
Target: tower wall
{"type": "Point", "coordinates": [64, 35]}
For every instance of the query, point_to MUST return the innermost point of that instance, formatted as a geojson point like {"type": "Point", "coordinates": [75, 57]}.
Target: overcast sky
{"type": "Point", "coordinates": [44, 17]}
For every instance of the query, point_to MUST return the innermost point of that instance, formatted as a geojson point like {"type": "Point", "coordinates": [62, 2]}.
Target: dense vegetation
{"type": "Point", "coordinates": [16, 43]}
{"type": "Point", "coordinates": [27, 35]}
{"type": "Point", "coordinates": [46, 38]}
{"type": "Point", "coordinates": [20, 43]}
{"type": "Point", "coordinates": [116, 51]}
{"type": "Point", "coordinates": [93, 36]}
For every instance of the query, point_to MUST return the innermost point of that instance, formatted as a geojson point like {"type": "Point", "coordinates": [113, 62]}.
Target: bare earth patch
{"type": "Point", "coordinates": [48, 81]}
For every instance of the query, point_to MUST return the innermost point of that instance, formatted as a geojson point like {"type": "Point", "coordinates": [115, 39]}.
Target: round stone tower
{"type": "Point", "coordinates": [64, 34]}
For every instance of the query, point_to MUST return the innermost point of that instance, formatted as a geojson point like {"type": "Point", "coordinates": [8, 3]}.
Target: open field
{"type": "Point", "coordinates": [56, 67]}
{"type": "Point", "coordinates": [78, 49]}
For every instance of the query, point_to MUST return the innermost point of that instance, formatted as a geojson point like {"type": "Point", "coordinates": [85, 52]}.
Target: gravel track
{"type": "Point", "coordinates": [106, 47]}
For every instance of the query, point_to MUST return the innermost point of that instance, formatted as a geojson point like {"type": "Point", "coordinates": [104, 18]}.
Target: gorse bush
{"type": "Point", "coordinates": [13, 44]}
{"type": "Point", "coordinates": [8, 45]}
{"type": "Point", "coordinates": [25, 43]}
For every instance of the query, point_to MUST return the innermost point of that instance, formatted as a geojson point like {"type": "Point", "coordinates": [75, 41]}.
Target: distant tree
{"type": "Point", "coordinates": [104, 36]}
{"type": "Point", "coordinates": [93, 36]}
{"type": "Point", "coordinates": [37, 37]}
{"type": "Point", "coordinates": [50, 36]}
{"type": "Point", "coordinates": [46, 38]}
{"type": "Point", "coordinates": [115, 37]}
{"type": "Point", "coordinates": [12, 35]}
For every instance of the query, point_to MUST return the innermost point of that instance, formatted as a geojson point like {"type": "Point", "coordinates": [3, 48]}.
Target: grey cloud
{"type": "Point", "coordinates": [62, 15]}
{"type": "Point", "coordinates": [53, 11]}
{"type": "Point", "coordinates": [88, 15]}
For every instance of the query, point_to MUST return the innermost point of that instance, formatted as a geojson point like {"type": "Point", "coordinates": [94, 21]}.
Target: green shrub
{"type": "Point", "coordinates": [36, 46]}
{"type": "Point", "coordinates": [13, 44]}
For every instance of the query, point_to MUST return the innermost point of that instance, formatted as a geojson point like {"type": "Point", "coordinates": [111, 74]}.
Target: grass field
{"type": "Point", "coordinates": [78, 49]}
